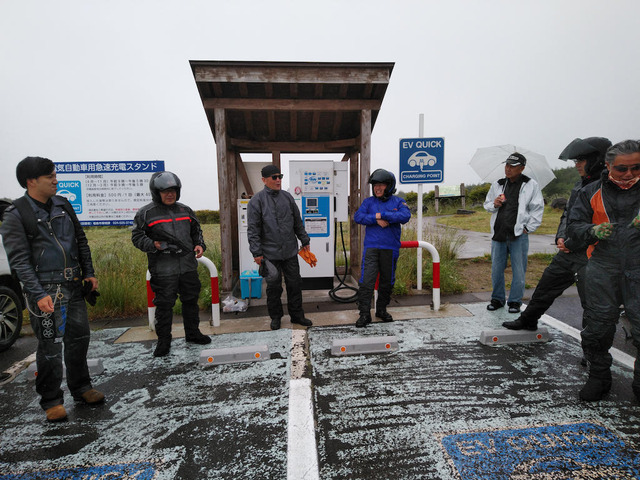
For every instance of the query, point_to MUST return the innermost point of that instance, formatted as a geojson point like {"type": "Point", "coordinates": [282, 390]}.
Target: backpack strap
{"type": "Point", "coordinates": [28, 216]}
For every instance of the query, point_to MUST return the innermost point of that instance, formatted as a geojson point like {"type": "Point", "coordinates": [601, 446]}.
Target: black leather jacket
{"type": "Point", "coordinates": [60, 252]}
{"type": "Point", "coordinates": [176, 226]}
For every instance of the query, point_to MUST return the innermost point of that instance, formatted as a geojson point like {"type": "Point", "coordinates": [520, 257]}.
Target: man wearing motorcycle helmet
{"type": "Point", "coordinates": [170, 234]}
{"type": "Point", "coordinates": [382, 214]}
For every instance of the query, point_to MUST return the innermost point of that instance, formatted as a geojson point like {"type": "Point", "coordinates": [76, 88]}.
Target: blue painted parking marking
{"type": "Point", "coordinates": [587, 450]}
{"type": "Point", "coordinates": [139, 471]}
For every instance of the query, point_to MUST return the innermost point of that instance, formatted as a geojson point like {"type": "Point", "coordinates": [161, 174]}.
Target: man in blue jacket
{"type": "Point", "coordinates": [382, 214]}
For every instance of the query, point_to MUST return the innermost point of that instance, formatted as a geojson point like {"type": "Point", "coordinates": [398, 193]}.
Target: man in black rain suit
{"type": "Point", "coordinates": [569, 263]}
{"type": "Point", "coordinates": [606, 216]}
{"type": "Point", "coordinates": [170, 234]}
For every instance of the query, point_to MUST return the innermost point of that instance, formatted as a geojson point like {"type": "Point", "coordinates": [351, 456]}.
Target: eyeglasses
{"type": "Point", "coordinates": [624, 168]}
{"type": "Point", "coordinates": [277, 177]}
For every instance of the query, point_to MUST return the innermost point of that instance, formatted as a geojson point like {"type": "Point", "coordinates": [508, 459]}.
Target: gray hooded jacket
{"type": "Point", "coordinates": [274, 225]}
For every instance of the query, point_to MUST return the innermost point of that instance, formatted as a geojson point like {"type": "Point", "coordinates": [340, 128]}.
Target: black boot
{"type": "Point", "coordinates": [363, 320]}
{"type": "Point", "coordinates": [199, 338]}
{"type": "Point", "coordinates": [163, 347]}
{"type": "Point", "coordinates": [384, 316]}
{"type": "Point", "coordinates": [595, 389]}
{"type": "Point", "coordinates": [520, 324]}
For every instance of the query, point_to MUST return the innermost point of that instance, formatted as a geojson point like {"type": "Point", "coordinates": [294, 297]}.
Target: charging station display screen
{"type": "Point", "coordinates": [316, 214]}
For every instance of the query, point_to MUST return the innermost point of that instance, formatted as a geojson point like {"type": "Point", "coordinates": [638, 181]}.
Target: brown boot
{"type": "Point", "coordinates": [91, 397]}
{"type": "Point", "coordinates": [56, 413]}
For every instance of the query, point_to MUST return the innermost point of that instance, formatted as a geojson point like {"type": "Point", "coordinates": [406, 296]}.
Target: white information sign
{"type": "Point", "coordinates": [106, 193]}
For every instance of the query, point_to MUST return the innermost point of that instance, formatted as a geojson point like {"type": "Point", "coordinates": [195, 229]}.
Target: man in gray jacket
{"type": "Point", "coordinates": [274, 228]}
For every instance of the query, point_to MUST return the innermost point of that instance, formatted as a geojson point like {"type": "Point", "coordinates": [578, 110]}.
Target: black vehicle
{"type": "Point", "coordinates": [11, 301]}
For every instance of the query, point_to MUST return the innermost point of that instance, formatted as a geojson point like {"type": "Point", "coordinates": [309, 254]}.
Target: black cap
{"type": "Point", "coordinates": [270, 170]}
{"type": "Point", "coordinates": [516, 159]}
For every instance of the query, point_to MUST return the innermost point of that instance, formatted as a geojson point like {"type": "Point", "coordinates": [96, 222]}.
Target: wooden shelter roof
{"type": "Point", "coordinates": [291, 107]}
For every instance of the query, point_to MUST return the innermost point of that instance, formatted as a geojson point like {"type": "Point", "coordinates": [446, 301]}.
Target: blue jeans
{"type": "Point", "coordinates": [518, 250]}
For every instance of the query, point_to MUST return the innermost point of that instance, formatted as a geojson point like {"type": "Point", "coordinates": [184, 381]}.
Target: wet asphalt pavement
{"type": "Point", "coordinates": [443, 406]}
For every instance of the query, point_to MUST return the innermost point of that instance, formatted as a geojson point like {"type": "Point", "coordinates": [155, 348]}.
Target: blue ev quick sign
{"type": "Point", "coordinates": [576, 451]}
{"type": "Point", "coordinates": [72, 190]}
{"type": "Point", "coordinates": [422, 160]}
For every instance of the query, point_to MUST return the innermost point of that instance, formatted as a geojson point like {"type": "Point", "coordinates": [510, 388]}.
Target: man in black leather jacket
{"type": "Point", "coordinates": [51, 263]}
{"type": "Point", "coordinates": [170, 234]}
{"type": "Point", "coordinates": [569, 263]}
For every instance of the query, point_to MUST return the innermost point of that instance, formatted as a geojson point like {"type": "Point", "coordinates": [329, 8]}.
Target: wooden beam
{"type": "Point", "coordinates": [293, 126]}
{"type": "Point", "coordinates": [276, 159]}
{"type": "Point", "coordinates": [243, 175]}
{"type": "Point", "coordinates": [294, 147]}
{"type": "Point", "coordinates": [331, 105]}
{"type": "Point", "coordinates": [226, 210]}
{"type": "Point", "coordinates": [292, 74]}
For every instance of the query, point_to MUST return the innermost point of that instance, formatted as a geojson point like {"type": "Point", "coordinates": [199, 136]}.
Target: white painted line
{"type": "Point", "coordinates": [618, 355]}
{"type": "Point", "coordinates": [302, 456]}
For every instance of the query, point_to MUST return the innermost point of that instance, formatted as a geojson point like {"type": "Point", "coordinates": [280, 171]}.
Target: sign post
{"type": "Point", "coordinates": [421, 161]}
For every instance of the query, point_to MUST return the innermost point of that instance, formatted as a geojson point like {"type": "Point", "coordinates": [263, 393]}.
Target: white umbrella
{"type": "Point", "coordinates": [488, 162]}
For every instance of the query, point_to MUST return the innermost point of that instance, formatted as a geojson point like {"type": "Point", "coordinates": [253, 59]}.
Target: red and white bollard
{"type": "Point", "coordinates": [435, 257]}
{"type": "Point", "coordinates": [215, 295]}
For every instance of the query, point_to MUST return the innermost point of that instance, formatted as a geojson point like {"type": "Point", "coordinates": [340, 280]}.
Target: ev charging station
{"type": "Point", "coordinates": [320, 189]}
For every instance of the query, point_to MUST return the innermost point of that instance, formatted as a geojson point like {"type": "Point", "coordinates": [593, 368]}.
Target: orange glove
{"type": "Point", "coordinates": [308, 257]}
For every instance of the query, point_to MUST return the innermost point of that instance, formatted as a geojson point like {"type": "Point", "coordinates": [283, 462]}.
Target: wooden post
{"type": "Point", "coordinates": [224, 175]}
{"type": "Point", "coordinates": [365, 164]}
{"type": "Point", "coordinates": [275, 156]}
{"type": "Point", "coordinates": [354, 229]}
{"type": "Point", "coordinates": [463, 194]}
{"type": "Point", "coordinates": [233, 159]}
{"type": "Point", "coordinates": [436, 199]}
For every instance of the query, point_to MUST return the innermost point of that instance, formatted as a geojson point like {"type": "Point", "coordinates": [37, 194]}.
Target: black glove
{"type": "Point", "coordinates": [91, 296]}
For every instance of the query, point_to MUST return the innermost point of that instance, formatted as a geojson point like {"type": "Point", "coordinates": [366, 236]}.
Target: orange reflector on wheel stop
{"type": "Point", "coordinates": [363, 345]}
{"type": "Point", "coordinates": [505, 336]}
{"type": "Point", "coordinates": [220, 356]}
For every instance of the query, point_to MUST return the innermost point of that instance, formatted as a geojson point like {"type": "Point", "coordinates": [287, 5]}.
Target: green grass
{"type": "Point", "coordinates": [479, 221]}
{"type": "Point", "coordinates": [121, 270]}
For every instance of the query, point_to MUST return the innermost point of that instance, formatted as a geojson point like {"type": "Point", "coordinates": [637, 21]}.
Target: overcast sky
{"type": "Point", "coordinates": [110, 80]}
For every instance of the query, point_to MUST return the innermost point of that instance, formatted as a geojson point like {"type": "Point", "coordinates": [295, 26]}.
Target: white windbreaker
{"type": "Point", "coordinates": [530, 205]}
